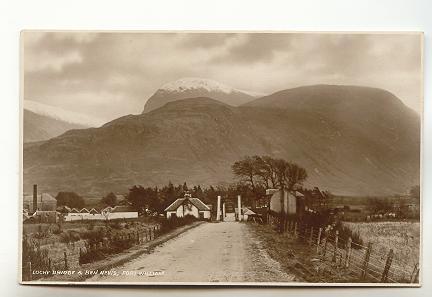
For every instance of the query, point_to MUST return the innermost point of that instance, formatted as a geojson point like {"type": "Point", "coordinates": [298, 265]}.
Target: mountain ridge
{"type": "Point", "coordinates": [191, 87]}
{"type": "Point", "coordinates": [352, 150]}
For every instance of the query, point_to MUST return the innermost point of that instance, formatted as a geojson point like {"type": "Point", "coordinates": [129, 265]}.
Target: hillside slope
{"type": "Point", "coordinates": [363, 141]}
{"type": "Point", "coordinates": [39, 127]}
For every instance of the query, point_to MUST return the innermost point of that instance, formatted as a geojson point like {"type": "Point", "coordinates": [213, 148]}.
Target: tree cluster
{"type": "Point", "coordinates": [260, 172]}
{"type": "Point", "coordinates": [70, 199]}
{"type": "Point", "coordinates": [156, 199]}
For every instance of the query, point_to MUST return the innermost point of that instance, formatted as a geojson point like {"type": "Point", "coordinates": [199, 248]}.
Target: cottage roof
{"type": "Point", "coordinates": [44, 197]}
{"type": "Point", "coordinates": [84, 210]}
{"type": "Point", "coordinates": [195, 201]}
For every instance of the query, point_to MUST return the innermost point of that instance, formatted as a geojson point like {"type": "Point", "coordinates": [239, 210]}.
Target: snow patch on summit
{"type": "Point", "coordinates": [194, 83]}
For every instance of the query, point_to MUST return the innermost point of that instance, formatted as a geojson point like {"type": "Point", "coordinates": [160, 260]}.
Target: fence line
{"type": "Point", "coordinates": [73, 255]}
{"type": "Point", "coordinates": [360, 260]}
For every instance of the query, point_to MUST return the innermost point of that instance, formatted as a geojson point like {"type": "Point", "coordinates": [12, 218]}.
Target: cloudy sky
{"type": "Point", "coordinates": [107, 75]}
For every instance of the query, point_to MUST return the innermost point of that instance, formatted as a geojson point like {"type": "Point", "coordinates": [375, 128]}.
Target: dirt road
{"type": "Point", "coordinates": [211, 252]}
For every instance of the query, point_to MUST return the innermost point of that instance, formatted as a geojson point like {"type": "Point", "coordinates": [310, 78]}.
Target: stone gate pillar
{"type": "Point", "coordinates": [240, 216]}
{"type": "Point", "coordinates": [218, 209]}
{"type": "Point", "coordinates": [223, 211]}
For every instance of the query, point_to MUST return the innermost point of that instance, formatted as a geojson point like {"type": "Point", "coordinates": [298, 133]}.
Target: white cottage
{"type": "Point", "coordinates": [188, 206]}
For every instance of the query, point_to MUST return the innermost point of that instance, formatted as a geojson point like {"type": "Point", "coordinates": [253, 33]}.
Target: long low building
{"type": "Point", "coordinates": [108, 213]}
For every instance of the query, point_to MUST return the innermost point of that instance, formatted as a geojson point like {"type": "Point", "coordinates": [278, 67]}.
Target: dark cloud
{"type": "Point", "coordinates": [259, 47]}
{"type": "Point", "coordinates": [112, 74]}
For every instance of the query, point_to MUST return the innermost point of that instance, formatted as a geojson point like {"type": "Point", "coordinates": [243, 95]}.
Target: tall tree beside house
{"type": "Point", "coordinates": [185, 187]}
{"type": "Point", "coordinates": [248, 172]}
{"type": "Point", "coordinates": [70, 199]}
{"type": "Point", "coordinates": [289, 176]}
{"type": "Point", "coordinates": [294, 175]}
{"type": "Point", "coordinates": [110, 199]}
{"type": "Point", "coordinates": [144, 198]}
{"type": "Point", "coordinates": [260, 172]}
{"type": "Point", "coordinates": [266, 169]}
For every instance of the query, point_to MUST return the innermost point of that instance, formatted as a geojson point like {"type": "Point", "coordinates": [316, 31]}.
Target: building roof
{"type": "Point", "coordinates": [248, 212]}
{"type": "Point", "coordinates": [195, 201]}
{"type": "Point", "coordinates": [44, 197]}
{"type": "Point", "coordinates": [93, 211]}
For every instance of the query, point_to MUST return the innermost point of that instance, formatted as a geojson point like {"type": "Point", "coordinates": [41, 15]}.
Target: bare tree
{"type": "Point", "coordinates": [294, 176]}
{"type": "Point", "coordinates": [248, 170]}
{"type": "Point", "coordinates": [266, 170]}
{"type": "Point", "coordinates": [288, 176]}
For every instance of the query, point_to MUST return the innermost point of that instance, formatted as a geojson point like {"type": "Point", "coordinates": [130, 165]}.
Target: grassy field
{"type": "Point", "coordinates": [402, 237]}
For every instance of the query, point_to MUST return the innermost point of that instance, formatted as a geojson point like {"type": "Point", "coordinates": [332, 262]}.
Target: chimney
{"type": "Point", "coordinates": [35, 206]}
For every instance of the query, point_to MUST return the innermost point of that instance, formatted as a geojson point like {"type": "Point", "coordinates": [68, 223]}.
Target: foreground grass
{"type": "Point", "coordinates": [296, 257]}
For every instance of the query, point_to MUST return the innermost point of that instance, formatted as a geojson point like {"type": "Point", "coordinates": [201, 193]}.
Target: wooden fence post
{"type": "Point", "coordinates": [415, 274]}
{"type": "Point", "coordinates": [66, 261]}
{"type": "Point", "coordinates": [29, 267]}
{"type": "Point", "coordinates": [311, 236]}
{"type": "Point", "coordinates": [325, 244]}
{"type": "Point", "coordinates": [318, 240]}
{"type": "Point", "coordinates": [348, 252]}
{"type": "Point", "coordinates": [366, 261]}
{"type": "Point", "coordinates": [295, 229]}
{"type": "Point", "coordinates": [335, 248]}
{"type": "Point", "coordinates": [388, 263]}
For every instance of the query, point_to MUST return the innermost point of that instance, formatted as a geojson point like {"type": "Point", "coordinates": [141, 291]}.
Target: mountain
{"type": "Point", "coordinates": [42, 122]}
{"type": "Point", "coordinates": [191, 87]}
{"type": "Point", "coordinates": [351, 140]}
{"type": "Point", "coordinates": [38, 127]}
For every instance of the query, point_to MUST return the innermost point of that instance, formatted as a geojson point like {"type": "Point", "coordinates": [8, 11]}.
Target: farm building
{"type": "Point", "coordinates": [291, 201]}
{"type": "Point", "coordinates": [41, 216]}
{"type": "Point", "coordinates": [108, 213]}
{"type": "Point", "coordinates": [245, 213]}
{"type": "Point", "coordinates": [188, 206]}
{"type": "Point", "coordinates": [35, 201]}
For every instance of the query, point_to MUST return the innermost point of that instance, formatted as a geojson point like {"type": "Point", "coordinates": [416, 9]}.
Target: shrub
{"type": "Point", "coordinates": [116, 225]}
{"type": "Point", "coordinates": [174, 222]}
{"type": "Point", "coordinates": [69, 236]}
{"type": "Point", "coordinates": [93, 236]}
{"type": "Point", "coordinates": [345, 232]}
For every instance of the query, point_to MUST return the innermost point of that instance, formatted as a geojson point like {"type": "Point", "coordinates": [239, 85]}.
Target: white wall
{"type": "Point", "coordinates": [112, 216]}
{"type": "Point", "coordinates": [194, 212]}
{"type": "Point", "coordinates": [206, 214]}
{"type": "Point", "coordinates": [289, 203]}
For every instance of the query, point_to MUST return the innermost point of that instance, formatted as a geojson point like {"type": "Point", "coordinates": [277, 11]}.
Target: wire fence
{"type": "Point", "coordinates": [40, 261]}
{"type": "Point", "coordinates": [360, 262]}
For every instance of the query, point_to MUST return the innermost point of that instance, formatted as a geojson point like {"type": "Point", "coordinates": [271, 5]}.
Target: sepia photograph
{"type": "Point", "coordinates": [252, 158]}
